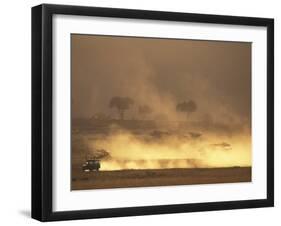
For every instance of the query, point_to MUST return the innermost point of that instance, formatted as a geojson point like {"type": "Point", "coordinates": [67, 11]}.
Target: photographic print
{"type": "Point", "coordinates": [157, 111]}
{"type": "Point", "coordinates": [138, 112]}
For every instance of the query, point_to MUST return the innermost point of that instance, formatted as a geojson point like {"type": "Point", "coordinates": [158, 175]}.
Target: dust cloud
{"type": "Point", "coordinates": [176, 150]}
{"type": "Point", "coordinates": [161, 103]}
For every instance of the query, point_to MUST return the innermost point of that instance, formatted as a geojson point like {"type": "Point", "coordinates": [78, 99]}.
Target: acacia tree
{"type": "Point", "coordinates": [187, 107]}
{"type": "Point", "coordinates": [145, 110]}
{"type": "Point", "coordinates": [121, 104]}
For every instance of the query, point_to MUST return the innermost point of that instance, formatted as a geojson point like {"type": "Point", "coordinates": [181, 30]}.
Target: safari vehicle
{"type": "Point", "coordinates": [91, 165]}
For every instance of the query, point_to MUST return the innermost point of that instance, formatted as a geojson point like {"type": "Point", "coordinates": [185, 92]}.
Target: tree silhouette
{"type": "Point", "coordinates": [145, 110]}
{"type": "Point", "coordinates": [187, 107]}
{"type": "Point", "coordinates": [121, 104]}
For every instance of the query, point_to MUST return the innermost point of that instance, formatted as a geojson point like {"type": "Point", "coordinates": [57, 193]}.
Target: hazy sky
{"type": "Point", "coordinates": [162, 73]}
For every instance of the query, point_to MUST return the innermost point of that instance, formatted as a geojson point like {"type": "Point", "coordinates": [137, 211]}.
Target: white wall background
{"type": "Point", "coordinates": [15, 111]}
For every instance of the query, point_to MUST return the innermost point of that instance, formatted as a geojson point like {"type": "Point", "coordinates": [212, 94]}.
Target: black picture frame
{"type": "Point", "coordinates": [42, 107]}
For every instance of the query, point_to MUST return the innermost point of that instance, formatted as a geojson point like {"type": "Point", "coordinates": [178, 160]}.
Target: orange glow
{"type": "Point", "coordinates": [128, 151]}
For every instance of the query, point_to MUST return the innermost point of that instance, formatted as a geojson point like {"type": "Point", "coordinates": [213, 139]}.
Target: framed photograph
{"type": "Point", "coordinates": [145, 112]}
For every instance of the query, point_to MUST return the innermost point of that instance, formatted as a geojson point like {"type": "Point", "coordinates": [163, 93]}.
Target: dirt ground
{"type": "Point", "coordinates": [145, 178]}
